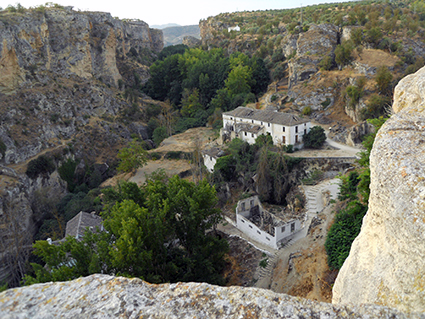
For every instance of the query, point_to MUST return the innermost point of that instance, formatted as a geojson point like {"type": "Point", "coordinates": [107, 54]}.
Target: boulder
{"type": "Point", "coordinates": [386, 262]}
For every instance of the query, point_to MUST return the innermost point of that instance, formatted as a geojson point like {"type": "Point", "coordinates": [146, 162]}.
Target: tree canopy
{"type": "Point", "coordinates": [197, 82]}
{"type": "Point", "coordinates": [315, 138]}
{"type": "Point", "coordinates": [160, 232]}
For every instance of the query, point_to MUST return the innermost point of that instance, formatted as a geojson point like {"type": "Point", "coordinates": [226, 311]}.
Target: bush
{"type": "Point", "coordinates": [383, 80]}
{"type": "Point", "coordinates": [315, 138]}
{"type": "Point", "coordinates": [174, 155]}
{"type": "Point", "coordinates": [41, 165]}
{"type": "Point", "coordinates": [354, 93]}
{"type": "Point", "coordinates": [326, 63]}
{"type": "Point", "coordinates": [345, 229]}
{"type": "Point", "coordinates": [306, 110]}
{"type": "Point", "coordinates": [159, 134]}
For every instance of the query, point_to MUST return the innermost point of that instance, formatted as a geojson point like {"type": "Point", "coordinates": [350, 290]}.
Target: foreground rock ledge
{"type": "Point", "coordinates": [102, 296]}
{"type": "Point", "coordinates": [386, 264]}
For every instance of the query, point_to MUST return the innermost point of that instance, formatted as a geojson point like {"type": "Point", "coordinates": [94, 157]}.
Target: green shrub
{"type": "Point", "coordinates": [154, 156]}
{"type": "Point", "coordinates": [67, 171]}
{"type": "Point", "coordinates": [354, 93]}
{"type": "Point", "coordinates": [315, 138]}
{"type": "Point", "coordinates": [326, 63]}
{"type": "Point", "coordinates": [341, 235]}
{"type": "Point", "coordinates": [326, 103]}
{"type": "Point", "coordinates": [40, 165]}
{"type": "Point", "coordinates": [306, 110]}
{"type": "Point", "coordinates": [159, 134]}
{"type": "Point", "coordinates": [174, 155]}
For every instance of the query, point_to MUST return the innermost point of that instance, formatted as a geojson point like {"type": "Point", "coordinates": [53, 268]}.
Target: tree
{"type": "Point", "coordinates": [159, 134]}
{"type": "Point", "coordinates": [315, 138]}
{"type": "Point", "coordinates": [383, 80]}
{"type": "Point", "coordinates": [159, 232]}
{"type": "Point", "coordinates": [343, 54]}
{"type": "Point", "coordinates": [132, 157]}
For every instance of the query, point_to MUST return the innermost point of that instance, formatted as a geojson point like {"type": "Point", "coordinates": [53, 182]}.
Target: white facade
{"type": "Point", "coordinates": [282, 231]}
{"type": "Point", "coordinates": [237, 28]}
{"type": "Point", "coordinates": [209, 162]}
{"type": "Point", "coordinates": [289, 131]}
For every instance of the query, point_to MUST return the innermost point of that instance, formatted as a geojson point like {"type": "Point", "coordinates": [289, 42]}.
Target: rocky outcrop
{"type": "Point", "coordinates": [101, 296]}
{"type": "Point", "coordinates": [22, 206]}
{"type": "Point", "coordinates": [386, 261]}
{"type": "Point", "coordinates": [66, 42]}
{"type": "Point", "coordinates": [353, 135]}
{"type": "Point", "coordinates": [312, 46]}
{"type": "Point", "coordinates": [191, 42]}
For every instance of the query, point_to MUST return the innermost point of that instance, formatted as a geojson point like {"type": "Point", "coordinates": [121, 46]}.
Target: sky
{"type": "Point", "coordinates": [159, 12]}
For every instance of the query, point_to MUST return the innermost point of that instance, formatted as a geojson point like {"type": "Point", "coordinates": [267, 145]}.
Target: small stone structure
{"type": "Point", "coordinates": [82, 222]}
{"type": "Point", "coordinates": [210, 157]}
{"type": "Point", "coordinates": [263, 226]}
{"type": "Point", "coordinates": [247, 124]}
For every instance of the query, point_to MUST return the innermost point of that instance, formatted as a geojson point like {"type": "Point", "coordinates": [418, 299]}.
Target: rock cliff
{"type": "Point", "coordinates": [101, 296]}
{"type": "Point", "coordinates": [386, 261]}
{"type": "Point", "coordinates": [69, 86]}
{"type": "Point", "coordinates": [65, 42]}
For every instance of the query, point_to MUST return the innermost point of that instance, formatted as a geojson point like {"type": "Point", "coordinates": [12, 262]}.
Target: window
{"type": "Point", "coordinates": [243, 206]}
{"type": "Point", "coordinates": [231, 118]}
{"type": "Point", "coordinates": [283, 229]}
{"type": "Point", "coordinates": [296, 129]}
{"type": "Point", "coordinates": [268, 238]}
{"type": "Point", "coordinates": [250, 226]}
{"type": "Point", "coordinates": [292, 227]}
{"type": "Point", "coordinates": [252, 121]}
{"type": "Point", "coordinates": [305, 131]}
{"type": "Point", "coordinates": [210, 158]}
{"type": "Point", "coordinates": [252, 203]}
{"type": "Point", "coordinates": [259, 233]}
{"type": "Point", "coordinates": [283, 129]}
{"type": "Point", "coordinates": [261, 123]}
{"type": "Point", "coordinates": [268, 124]}
{"type": "Point", "coordinates": [242, 221]}
{"type": "Point", "coordinates": [245, 133]}
{"type": "Point", "coordinates": [252, 134]}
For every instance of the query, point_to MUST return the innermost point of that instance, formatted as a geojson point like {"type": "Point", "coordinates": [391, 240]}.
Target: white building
{"type": "Point", "coordinates": [237, 28]}
{"type": "Point", "coordinates": [263, 226]}
{"type": "Point", "coordinates": [210, 157]}
{"type": "Point", "coordinates": [247, 124]}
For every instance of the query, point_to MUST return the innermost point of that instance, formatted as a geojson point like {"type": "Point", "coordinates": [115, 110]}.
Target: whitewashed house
{"type": "Point", "coordinates": [210, 157]}
{"type": "Point", "coordinates": [236, 28]}
{"type": "Point", "coordinates": [262, 226]}
{"type": "Point", "coordinates": [247, 124]}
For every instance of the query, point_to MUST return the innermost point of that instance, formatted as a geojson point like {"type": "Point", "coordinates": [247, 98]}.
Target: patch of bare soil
{"type": "Point", "coordinates": [376, 58]}
{"type": "Point", "coordinates": [187, 141]}
{"type": "Point", "coordinates": [243, 260]}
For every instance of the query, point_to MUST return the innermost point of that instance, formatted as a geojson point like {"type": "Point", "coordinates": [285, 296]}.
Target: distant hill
{"type": "Point", "coordinates": [175, 35]}
{"type": "Point", "coordinates": [163, 26]}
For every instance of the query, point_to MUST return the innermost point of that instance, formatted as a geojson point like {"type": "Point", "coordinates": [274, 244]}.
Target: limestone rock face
{"type": "Point", "coordinates": [101, 296]}
{"type": "Point", "coordinates": [386, 262]}
{"type": "Point", "coordinates": [312, 46]}
{"type": "Point", "coordinates": [65, 42]}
